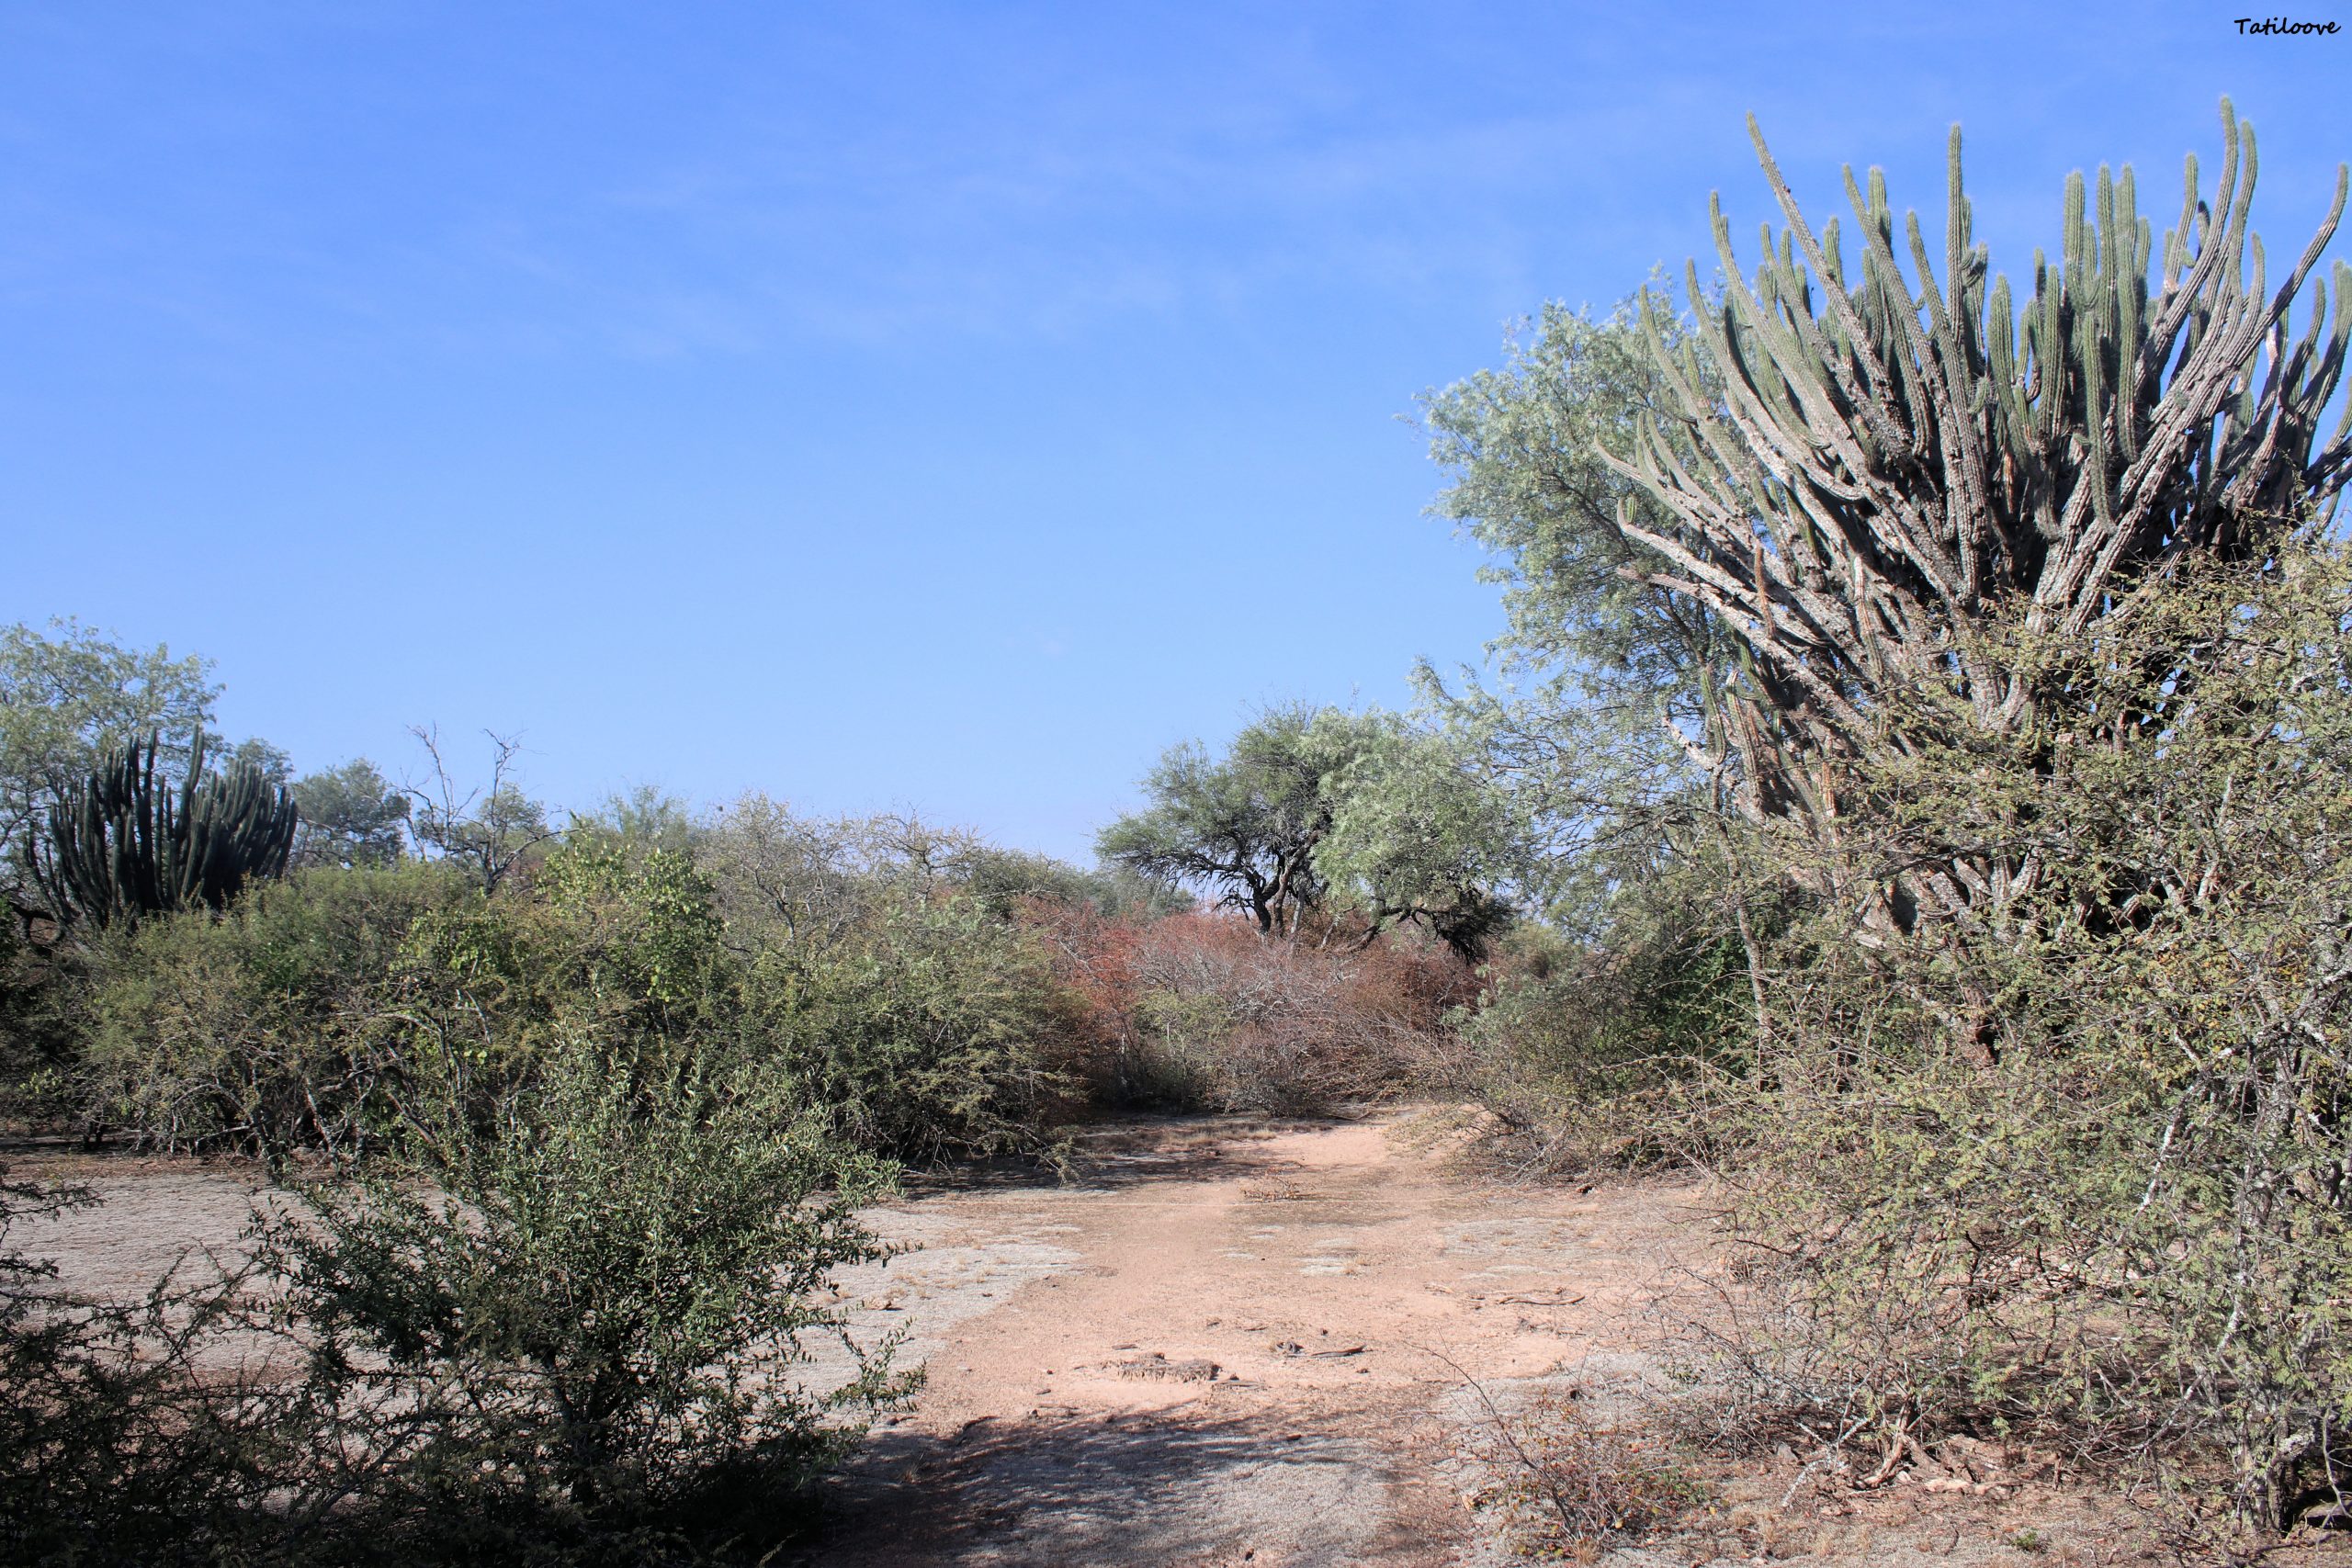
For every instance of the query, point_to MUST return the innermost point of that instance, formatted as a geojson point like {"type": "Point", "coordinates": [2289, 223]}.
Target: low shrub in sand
{"type": "Point", "coordinates": [574, 1326]}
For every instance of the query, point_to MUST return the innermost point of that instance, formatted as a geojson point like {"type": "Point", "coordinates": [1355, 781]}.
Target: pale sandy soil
{"type": "Point", "coordinates": [1326, 1275]}
{"type": "Point", "coordinates": [1224, 1342]}
{"type": "Point", "coordinates": [1344, 1281]}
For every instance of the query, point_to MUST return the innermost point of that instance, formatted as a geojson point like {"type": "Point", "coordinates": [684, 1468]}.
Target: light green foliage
{"type": "Point", "coordinates": [1313, 814]}
{"type": "Point", "coordinates": [351, 816]}
{"type": "Point", "coordinates": [641, 927]}
{"type": "Point", "coordinates": [927, 1024]}
{"type": "Point", "coordinates": [294, 1021]}
{"type": "Point", "coordinates": [645, 815]}
{"type": "Point", "coordinates": [1594, 729]}
{"type": "Point", "coordinates": [780, 878]}
{"type": "Point", "coordinates": [1524, 445]}
{"type": "Point", "coordinates": [582, 1325]}
{"type": "Point", "coordinates": [928, 1029]}
{"type": "Point", "coordinates": [311, 1013]}
{"type": "Point", "coordinates": [1418, 834]}
{"type": "Point", "coordinates": [67, 695]}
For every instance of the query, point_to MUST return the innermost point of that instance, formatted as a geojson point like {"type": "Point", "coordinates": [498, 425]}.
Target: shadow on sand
{"type": "Point", "coordinates": [1101, 1489]}
{"type": "Point", "coordinates": [1135, 1151]}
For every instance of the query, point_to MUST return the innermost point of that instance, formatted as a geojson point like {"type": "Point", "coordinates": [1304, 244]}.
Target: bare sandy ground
{"type": "Point", "coordinates": [152, 1217]}
{"type": "Point", "coordinates": [1225, 1341]}
{"type": "Point", "coordinates": [1231, 1342]}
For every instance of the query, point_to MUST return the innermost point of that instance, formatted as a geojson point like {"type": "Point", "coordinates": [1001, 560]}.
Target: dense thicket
{"type": "Point", "coordinates": [1960, 875]}
{"type": "Point", "coordinates": [2128, 1227]}
{"type": "Point", "coordinates": [922, 1024]}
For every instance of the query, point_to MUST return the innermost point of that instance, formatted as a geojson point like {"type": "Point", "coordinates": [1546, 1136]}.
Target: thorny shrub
{"type": "Point", "coordinates": [2069, 1163]}
{"type": "Point", "coordinates": [285, 1023]}
{"type": "Point", "coordinates": [577, 1330]}
{"type": "Point", "coordinates": [583, 1326]}
{"type": "Point", "coordinates": [1203, 1012]}
{"type": "Point", "coordinates": [1602, 1056]}
{"type": "Point", "coordinates": [121, 1440]}
{"type": "Point", "coordinates": [313, 1013]}
{"type": "Point", "coordinates": [1567, 1483]}
{"type": "Point", "coordinates": [930, 1029]}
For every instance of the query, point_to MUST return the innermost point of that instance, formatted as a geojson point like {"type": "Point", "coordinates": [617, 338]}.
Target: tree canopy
{"type": "Point", "coordinates": [351, 816]}
{"type": "Point", "coordinates": [1313, 814]}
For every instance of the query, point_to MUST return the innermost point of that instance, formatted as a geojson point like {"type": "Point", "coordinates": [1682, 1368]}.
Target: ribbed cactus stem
{"type": "Point", "coordinates": [123, 847]}
{"type": "Point", "coordinates": [1872, 460]}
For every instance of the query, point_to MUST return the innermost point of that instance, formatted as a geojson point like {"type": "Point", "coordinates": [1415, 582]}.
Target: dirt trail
{"type": "Point", "coordinates": [1227, 1342]}
{"type": "Point", "coordinates": [1220, 1341]}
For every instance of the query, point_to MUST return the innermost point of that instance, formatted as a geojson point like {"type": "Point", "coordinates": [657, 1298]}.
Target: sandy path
{"type": "Point", "coordinates": [1221, 1341]}
{"type": "Point", "coordinates": [1327, 1272]}
{"type": "Point", "coordinates": [1229, 1342]}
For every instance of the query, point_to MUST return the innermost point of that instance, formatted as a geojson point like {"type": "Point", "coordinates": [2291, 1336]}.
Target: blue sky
{"type": "Point", "coordinates": [905, 405]}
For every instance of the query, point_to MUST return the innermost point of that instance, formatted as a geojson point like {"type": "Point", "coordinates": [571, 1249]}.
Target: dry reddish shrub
{"type": "Point", "coordinates": [1202, 1011]}
{"type": "Point", "coordinates": [1091, 956]}
{"type": "Point", "coordinates": [1224, 1017]}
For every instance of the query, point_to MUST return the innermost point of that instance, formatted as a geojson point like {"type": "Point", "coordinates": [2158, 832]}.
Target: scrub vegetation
{"type": "Point", "coordinates": [1913, 789]}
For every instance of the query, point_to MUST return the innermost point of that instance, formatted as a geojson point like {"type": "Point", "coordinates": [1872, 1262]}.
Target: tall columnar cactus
{"type": "Point", "coordinates": [124, 848]}
{"type": "Point", "coordinates": [1882, 467]}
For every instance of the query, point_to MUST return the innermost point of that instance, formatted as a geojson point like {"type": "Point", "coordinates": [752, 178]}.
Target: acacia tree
{"type": "Point", "coordinates": [1419, 837]}
{"type": "Point", "coordinates": [1245, 825]}
{"type": "Point", "coordinates": [1314, 812]}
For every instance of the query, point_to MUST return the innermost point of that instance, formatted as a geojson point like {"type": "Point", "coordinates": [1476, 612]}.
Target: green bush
{"type": "Point", "coordinates": [605, 940]}
{"type": "Point", "coordinates": [43, 1002]}
{"type": "Point", "coordinates": [583, 1328]}
{"type": "Point", "coordinates": [306, 1013]}
{"type": "Point", "coordinates": [928, 1029]}
{"type": "Point", "coordinates": [314, 1013]}
{"type": "Point", "coordinates": [1602, 1054]}
{"type": "Point", "coordinates": [291, 1020]}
